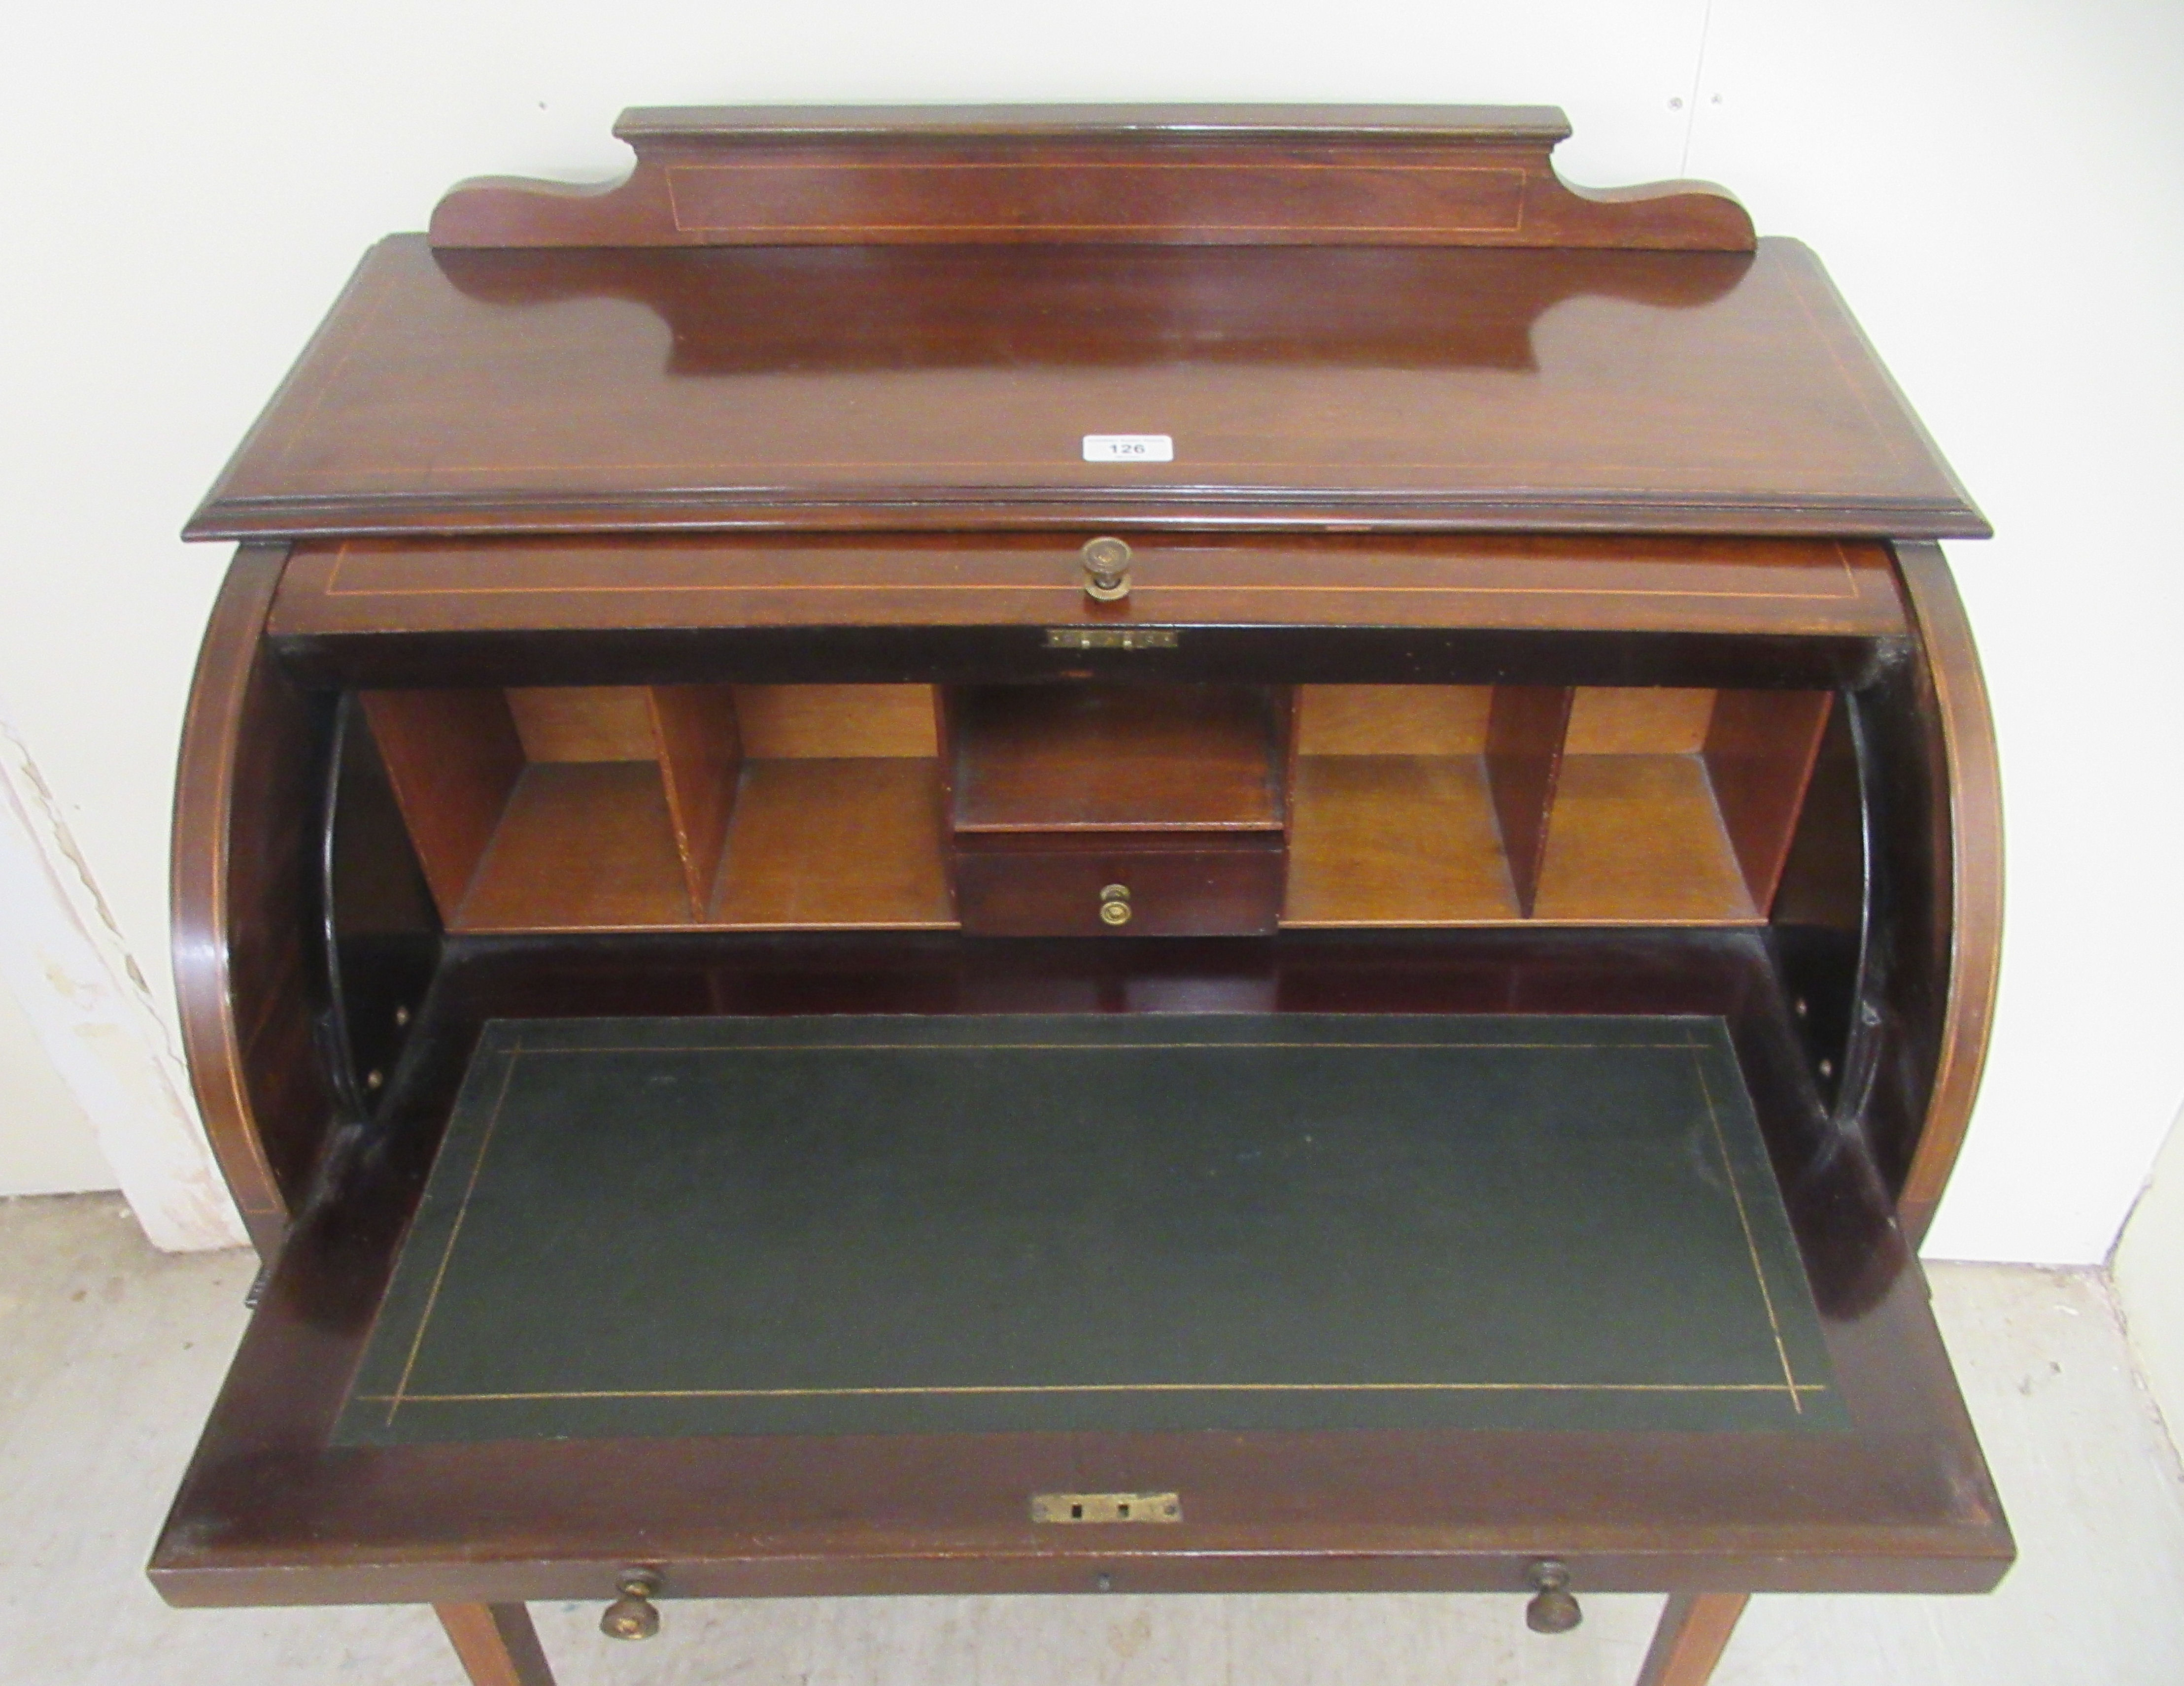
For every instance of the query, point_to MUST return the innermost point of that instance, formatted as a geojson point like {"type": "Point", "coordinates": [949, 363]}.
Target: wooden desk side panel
{"type": "Point", "coordinates": [1973, 861]}
{"type": "Point", "coordinates": [243, 849]}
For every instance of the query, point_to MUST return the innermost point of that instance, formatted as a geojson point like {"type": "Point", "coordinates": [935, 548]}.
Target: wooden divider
{"type": "Point", "coordinates": [1526, 728]}
{"type": "Point", "coordinates": [1759, 751]}
{"type": "Point", "coordinates": [453, 759]}
{"type": "Point", "coordinates": [693, 732]}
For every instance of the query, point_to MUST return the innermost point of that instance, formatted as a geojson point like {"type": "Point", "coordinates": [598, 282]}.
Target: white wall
{"type": "Point", "coordinates": [47, 1146]}
{"type": "Point", "coordinates": [2150, 1281]}
{"type": "Point", "coordinates": [85, 999]}
{"type": "Point", "coordinates": [1993, 183]}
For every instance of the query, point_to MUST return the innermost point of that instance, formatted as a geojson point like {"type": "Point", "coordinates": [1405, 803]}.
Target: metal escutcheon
{"type": "Point", "coordinates": [1115, 904]}
{"type": "Point", "coordinates": [634, 1616]}
{"type": "Point", "coordinates": [1552, 1610]}
{"type": "Point", "coordinates": [1106, 569]}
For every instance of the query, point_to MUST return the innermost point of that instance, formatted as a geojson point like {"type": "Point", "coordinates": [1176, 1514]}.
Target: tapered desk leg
{"type": "Point", "coordinates": [1694, 1632]}
{"type": "Point", "coordinates": [497, 1644]}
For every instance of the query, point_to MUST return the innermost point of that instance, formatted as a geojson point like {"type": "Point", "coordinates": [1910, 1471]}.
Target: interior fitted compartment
{"type": "Point", "coordinates": [1154, 809]}
{"type": "Point", "coordinates": [715, 806]}
{"type": "Point", "coordinates": [1473, 804]}
{"type": "Point", "coordinates": [1221, 810]}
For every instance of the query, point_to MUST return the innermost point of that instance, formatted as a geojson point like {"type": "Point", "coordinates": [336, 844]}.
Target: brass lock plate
{"type": "Point", "coordinates": [1106, 1507]}
{"type": "Point", "coordinates": [1111, 638]}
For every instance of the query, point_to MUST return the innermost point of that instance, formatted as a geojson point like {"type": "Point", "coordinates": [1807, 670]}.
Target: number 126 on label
{"type": "Point", "coordinates": [1129, 447]}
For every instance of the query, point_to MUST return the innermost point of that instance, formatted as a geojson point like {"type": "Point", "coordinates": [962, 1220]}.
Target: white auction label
{"type": "Point", "coordinates": [1129, 447]}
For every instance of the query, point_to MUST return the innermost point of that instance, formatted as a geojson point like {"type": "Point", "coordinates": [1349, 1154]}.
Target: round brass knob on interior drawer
{"type": "Point", "coordinates": [1115, 904]}
{"type": "Point", "coordinates": [1106, 569]}
{"type": "Point", "coordinates": [1552, 1610]}
{"type": "Point", "coordinates": [634, 1616]}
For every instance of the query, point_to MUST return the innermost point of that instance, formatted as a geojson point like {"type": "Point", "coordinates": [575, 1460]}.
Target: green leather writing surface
{"type": "Point", "coordinates": [859, 1225]}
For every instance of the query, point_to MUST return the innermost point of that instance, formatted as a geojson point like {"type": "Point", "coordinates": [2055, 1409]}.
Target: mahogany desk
{"type": "Point", "coordinates": [1036, 850]}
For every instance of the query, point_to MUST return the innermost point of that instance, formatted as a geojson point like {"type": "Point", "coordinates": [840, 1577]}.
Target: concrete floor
{"type": "Point", "coordinates": [110, 1353]}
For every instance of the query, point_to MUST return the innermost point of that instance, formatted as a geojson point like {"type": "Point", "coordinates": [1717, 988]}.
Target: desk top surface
{"type": "Point", "coordinates": [589, 389]}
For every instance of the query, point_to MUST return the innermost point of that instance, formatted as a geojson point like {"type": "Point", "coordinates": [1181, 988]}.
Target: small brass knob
{"type": "Point", "coordinates": [1552, 1610]}
{"type": "Point", "coordinates": [634, 1616]}
{"type": "Point", "coordinates": [1106, 569]}
{"type": "Point", "coordinates": [1115, 904]}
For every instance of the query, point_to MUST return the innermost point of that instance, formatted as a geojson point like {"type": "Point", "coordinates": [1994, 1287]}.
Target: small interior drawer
{"type": "Point", "coordinates": [1122, 885]}
{"type": "Point", "coordinates": [1146, 810]}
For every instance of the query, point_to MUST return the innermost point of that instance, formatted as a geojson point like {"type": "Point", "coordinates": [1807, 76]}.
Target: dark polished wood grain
{"type": "Point", "coordinates": [1973, 862]}
{"type": "Point", "coordinates": [800, 308]}
{"type": "Point", "coordinates": [1757, 409]}
{"type": "Point", "coordinates": [247, 792]}
{"type": "Point", "coordinates": [1276, 176]}
{"type": "Point", "coordinates": [1207, 885]}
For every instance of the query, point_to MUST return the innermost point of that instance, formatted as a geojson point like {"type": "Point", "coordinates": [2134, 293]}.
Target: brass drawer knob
{"type": "Point", "coordinates": [1552, 1610]}
{"type": "Point", "coordinates": [634, 1616]}
{"type": "Point", "coordinates": [1106, 569]}
{"type": "Point", "coordinates": [1115, 906]}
